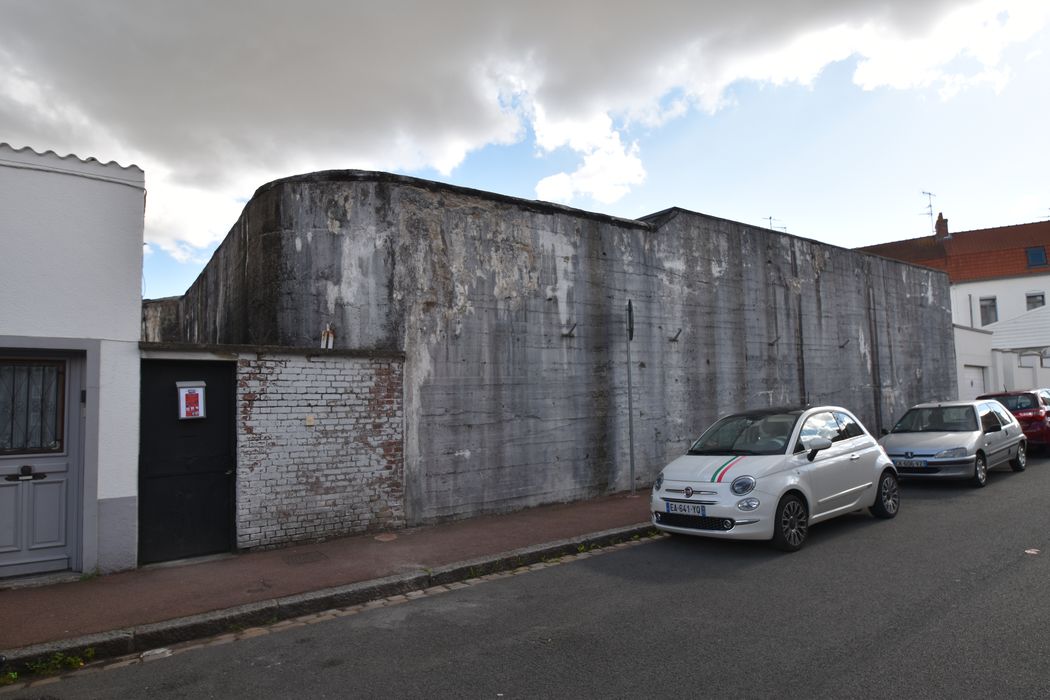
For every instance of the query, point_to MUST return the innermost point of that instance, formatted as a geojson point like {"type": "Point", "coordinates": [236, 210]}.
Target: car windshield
{"type": "Point", "coordinates": [937, 419]}
{"type": "Point", "coordinates": [747, 435]}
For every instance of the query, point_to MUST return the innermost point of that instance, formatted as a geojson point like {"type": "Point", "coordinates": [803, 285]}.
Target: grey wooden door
{"type": "Point", "coordinates": [39, 465]}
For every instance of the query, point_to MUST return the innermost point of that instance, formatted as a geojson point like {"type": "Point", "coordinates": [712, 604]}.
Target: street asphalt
{"type": "Point", "coordinates": [945, 601]}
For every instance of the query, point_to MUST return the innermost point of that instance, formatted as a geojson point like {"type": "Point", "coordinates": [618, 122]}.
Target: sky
{"type": "Point", "coordinates": [826, 119]}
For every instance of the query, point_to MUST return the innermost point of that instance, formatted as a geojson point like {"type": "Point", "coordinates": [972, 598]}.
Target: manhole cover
{"type": "Point", "coordinates": [386, 537]}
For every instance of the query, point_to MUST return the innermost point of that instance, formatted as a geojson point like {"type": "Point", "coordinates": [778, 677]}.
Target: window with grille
{"type": "Point", "coordinates": [31, 406]}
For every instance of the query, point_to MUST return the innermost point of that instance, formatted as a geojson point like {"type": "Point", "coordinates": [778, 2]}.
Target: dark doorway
{"type": "Point", "coordinates": [187, 466]}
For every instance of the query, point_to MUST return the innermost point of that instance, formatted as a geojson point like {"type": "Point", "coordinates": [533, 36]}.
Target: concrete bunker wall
{"type": "Point", "coordinates": [511, 315]}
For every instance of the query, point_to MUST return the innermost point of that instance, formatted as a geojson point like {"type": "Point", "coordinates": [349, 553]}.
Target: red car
{"type": "Point", "coordinates": [1031, 407]}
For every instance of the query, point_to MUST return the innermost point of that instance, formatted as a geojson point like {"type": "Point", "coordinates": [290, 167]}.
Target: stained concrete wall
{"type": "Point", "coordinates": [511, 314]}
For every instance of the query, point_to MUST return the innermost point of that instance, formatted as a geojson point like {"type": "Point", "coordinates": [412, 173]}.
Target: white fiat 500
{"type": "Point", "coordinates": [769, 474]}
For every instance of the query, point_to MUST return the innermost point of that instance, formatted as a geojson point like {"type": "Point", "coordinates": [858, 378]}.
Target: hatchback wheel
{"type": "Point", "coordinates": [888, 499]}
{"type": "Point", "coordinates": [791, 524]}
{"type": "Point", "coordinates": [980, 472]}
{"type": "Point", "coordinates": [1019, 462]}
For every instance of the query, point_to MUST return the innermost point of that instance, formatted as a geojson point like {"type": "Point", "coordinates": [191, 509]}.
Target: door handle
{"type": "Point", "coordinates": [854, 457]}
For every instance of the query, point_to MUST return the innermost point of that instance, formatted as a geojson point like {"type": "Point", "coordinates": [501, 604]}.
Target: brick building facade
{"type": "Point", "coordinates": [319, 445]}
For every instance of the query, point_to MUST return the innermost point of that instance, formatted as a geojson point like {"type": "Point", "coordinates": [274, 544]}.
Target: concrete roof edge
{"type": "Point", "coordinates": [234, 350]}
{"type": "Point", "coordinates": [435, 186]}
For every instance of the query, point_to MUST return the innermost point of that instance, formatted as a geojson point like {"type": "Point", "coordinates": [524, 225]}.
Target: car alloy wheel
{"type": "Point", "coordinates": [980, 471]}
{"type": "Point", "coordinates": [1019, 462]}
{"type": "Point", "coordinates": [791, 524]}
{"type": "Point", "coordinates": [888, 500]}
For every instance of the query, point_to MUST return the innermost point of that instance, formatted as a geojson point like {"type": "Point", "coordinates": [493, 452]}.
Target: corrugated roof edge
{"type": "Point", "coordinates": [88, 160]}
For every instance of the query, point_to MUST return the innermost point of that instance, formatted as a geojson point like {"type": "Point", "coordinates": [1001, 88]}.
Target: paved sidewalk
{"type": "Point", "coordinates": [138, 610]}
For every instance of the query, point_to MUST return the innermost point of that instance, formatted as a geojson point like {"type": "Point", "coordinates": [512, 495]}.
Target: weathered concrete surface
{"type": "Point", "coordinates": [511, 315]}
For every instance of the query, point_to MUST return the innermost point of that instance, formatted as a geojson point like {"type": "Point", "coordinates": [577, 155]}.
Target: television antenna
{"type": "Point", "coordinates": [770, 219]}
{"type": "Point", "coordinates": [929, 210]}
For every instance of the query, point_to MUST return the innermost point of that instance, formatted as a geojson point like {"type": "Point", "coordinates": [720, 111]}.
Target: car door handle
{"type": "Point", "coordinates": [854, 457]}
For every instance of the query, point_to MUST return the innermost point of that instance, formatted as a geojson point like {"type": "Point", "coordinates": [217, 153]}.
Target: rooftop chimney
{"type": "Point", "coordinates": [941, 228]}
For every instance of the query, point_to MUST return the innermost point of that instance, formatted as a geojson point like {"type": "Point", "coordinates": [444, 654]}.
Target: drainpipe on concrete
{"type": "Point", "coordinates": [630, 392]}
{"type": "Point", "coordinates": [876, 375]}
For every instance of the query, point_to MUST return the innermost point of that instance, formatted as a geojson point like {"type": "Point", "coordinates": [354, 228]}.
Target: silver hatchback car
{"type": "Point", "coordinates": [956, 439]}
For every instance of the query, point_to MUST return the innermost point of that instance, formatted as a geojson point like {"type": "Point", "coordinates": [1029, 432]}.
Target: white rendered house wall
{"type": "Point", "coordinates": [1011, 296]}
{"type": "Point", "coordinates": [70, 281]}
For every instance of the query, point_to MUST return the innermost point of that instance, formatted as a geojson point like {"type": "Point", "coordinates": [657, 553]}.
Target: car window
{"type": "Point", "coordinates": [821, 424]}
{"type": "Point", "coordinates": [937, 419]}
{"type": "Point", "coordinates": [1044, 398]}
{"type": "Point", "coordinates": [988, 419]}
{"type": "Point", "coordinates": [848, 427]}
{"type": "Point", "coordinates": [1005, 399]}
{"type": "Point", "coordinates": [747, 434]}
{"type": "Point", "coordinates": [1004, 415]}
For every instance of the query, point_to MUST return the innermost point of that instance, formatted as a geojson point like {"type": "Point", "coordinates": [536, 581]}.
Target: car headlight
{"type": "Point", "coordinates": [954, 452]}
{"type": "Point", "coordinates": [748, 504]}
{"type": "Point", "coordinates": [742, 485]}
{"type": "Point", "coordinates": [659, 481]}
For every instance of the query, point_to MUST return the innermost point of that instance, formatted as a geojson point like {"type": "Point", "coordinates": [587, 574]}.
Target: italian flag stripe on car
{"type": "Point", "coordinates": [721, 471]}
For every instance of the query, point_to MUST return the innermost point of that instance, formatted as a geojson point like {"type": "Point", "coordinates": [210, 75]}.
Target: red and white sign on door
{"type": "Point", "coordinates": [191, 400]}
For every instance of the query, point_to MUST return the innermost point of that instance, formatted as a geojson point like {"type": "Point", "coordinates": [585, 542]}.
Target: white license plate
{"type": "Point", "coordinates": [687, 509]}
{"type": "Point", "coordinates": [910, 462]}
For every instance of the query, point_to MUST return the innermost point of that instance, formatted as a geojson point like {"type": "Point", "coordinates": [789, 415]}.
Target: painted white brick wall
{"type": "Point", "coordinates": [320, 448]}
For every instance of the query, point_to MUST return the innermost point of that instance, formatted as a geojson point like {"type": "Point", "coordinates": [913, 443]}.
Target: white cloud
{"type": "Point", "coordinates": [215, 99]}
{"type": "Point", "coordinates": [978, 34]}
{"type": "Point", "coordinates": [608, 171]}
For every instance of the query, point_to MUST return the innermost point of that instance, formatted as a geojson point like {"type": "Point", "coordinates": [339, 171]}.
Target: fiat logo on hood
{"type": "Point", "coordinates": [688, 491]}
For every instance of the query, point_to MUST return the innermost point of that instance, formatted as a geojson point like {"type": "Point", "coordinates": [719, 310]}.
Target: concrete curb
{"type": "Point", "coordinates": [141, 638]}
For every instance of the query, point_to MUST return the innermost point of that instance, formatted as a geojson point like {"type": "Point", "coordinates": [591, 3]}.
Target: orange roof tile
{"type": "Point", "coordinates": [974, 255]}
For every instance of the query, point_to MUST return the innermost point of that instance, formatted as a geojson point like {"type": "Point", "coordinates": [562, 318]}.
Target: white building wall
{"type": "Point", "coordinates": [973, 350]}
{"type": "Point", "coordinates": [118, 458]}
{"type": "Point", "coordinates": [70, 280]}
{"type": "Point", "coordinates": [1010, 295]}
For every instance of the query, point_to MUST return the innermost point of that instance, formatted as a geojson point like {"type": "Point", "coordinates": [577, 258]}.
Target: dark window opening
{"type": "Point", "coordinates": [1034, 300]}
{"type": "Point", "coordinates": [989, 311]}
{"type": "Point", "coordinates": [1036, 256]}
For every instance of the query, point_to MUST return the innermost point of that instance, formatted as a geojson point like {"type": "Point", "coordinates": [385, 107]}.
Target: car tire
{"type": "Point", "coordinates": [888, 496]}
{"type": "Point", "coordinates": [790, 524]}
{"type": "Point", "coordinates": [1019, 462]}
{"type": "Point", "coordinates": [980, 471]}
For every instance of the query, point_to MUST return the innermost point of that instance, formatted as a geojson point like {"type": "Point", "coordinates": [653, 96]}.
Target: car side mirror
{"type": "Point", "coordinates": [814, 445]}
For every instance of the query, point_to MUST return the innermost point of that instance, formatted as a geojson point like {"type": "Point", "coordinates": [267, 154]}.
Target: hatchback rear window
{"type": "Point", "coordinates": [1017, 402]}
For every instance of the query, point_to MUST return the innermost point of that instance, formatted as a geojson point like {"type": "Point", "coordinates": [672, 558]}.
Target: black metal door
{"type": "Point", "coordinates": [187, 466]}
